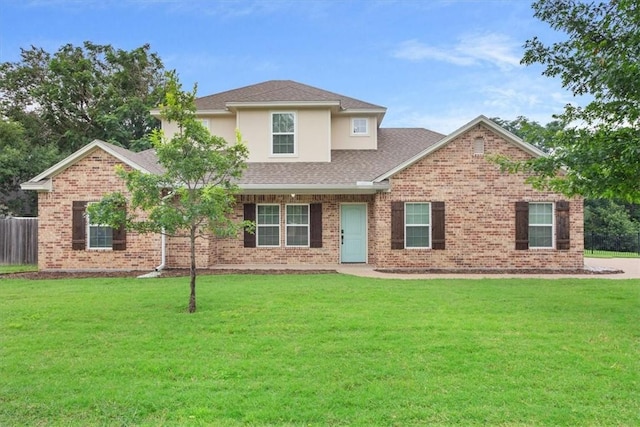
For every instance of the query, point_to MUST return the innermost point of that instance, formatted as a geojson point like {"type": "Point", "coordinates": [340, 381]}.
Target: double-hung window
{"type": "Point", "coordinates": [268, 225]}
{"type": "Point", "coordinates": [417, 225]}
{"type": "Point", "coordinates": [283, 133]}
{"type": "Point", "coordinates": [541, 225]}
{"type": "Point", "coordinates": [297, 225]}
{"type": "Point", "coordinates": [359, 126]}
{"type": "Point", "coordinates": [100, 236]}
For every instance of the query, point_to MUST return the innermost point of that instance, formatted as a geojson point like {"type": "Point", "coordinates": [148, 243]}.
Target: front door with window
{"type": "Point", "coordinates": [353, 233]}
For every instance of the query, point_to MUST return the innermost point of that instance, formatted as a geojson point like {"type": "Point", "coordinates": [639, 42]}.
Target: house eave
{"type": "Point", "coordinates": [361, 187]}
{"type": "Point", "coordinates": [281, 104]}
{"type": "Point", "coordinates": [42, 185]}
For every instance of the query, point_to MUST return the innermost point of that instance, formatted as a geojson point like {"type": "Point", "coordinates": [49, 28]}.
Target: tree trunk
{"type": "Point", "coordinates": [192, 284]}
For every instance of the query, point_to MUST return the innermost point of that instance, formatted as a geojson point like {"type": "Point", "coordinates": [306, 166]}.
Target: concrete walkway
{"type": "Point", "coordinates": [629, 266]}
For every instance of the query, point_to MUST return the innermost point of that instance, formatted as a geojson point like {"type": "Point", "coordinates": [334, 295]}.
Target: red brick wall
{"type": "Point", "coordinates": [480, 211]}
{"type": "Point", "coordinates": [232, 250]}
{"type": "Point", "coordinates": [87, 180]}
{"type": "Point", "coordinates": [479, 232]}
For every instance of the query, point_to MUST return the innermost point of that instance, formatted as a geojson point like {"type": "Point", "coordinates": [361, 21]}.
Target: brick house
{"type": "Point", "coordinates": [326, 184]}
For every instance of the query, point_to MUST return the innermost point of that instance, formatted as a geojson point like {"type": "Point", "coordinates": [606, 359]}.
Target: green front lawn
{"type": "Point", "coordinates": [319, 350]}
{"type": "Point", "coordinates": [609, 254]}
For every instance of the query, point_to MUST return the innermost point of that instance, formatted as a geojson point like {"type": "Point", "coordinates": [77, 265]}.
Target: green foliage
{"type": "Point", "coordinates": [195, 195]}
{"type": "Point", "coordinates": [600, 143]}
{"type": "Point", "coordinates": [605, 216]}
{"type": "Point", "coordinates": [321, 350]}
{"type": "Point", "coordinates": [530, 131]}
{"type": "Point", "coordinates": [20, 160]}
{"type": "Point", "coordinates": [63, 101]}
{"type": "Point", "coordinates": [83, 93]}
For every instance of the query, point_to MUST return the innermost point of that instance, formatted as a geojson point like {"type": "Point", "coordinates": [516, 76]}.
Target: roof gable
{"type": "Point", "coordinates": [508, 136]}
{"type": "Point", "coordinates": [144, 162]}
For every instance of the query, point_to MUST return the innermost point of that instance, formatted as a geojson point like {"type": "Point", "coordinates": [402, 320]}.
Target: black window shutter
{"type": "Point", "coordinates": [437, 234]}
{"type": "Point", "coordinates": [522, 225]}
{"type": "Point", "coordinates": [397, 225]}
{"type": "Point", "coordinates": [79, 226]}
{"type": "Point", "coordinates": [249, 215]}
{"type": "Point", "coordinates": [315, 221]}
{"type": "Point", "coordinates": [119, 236]}
{"type": "Point", "coordinates": [563, 242]}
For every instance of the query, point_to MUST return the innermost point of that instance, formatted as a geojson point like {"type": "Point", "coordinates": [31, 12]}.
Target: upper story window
{"type": "Point", "coordinates": [204, 122]}
{"type": "Point", "coordinates": [359, 126]}
{"type": "Point", "coordinates": [417, 225]}
{"type": "Point", "coordinates": [283, 133]}
{"type": "Point", "coordinates": [541, 225]}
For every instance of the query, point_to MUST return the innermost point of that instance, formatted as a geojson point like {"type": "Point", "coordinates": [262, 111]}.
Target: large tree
{"type": "Point", "coordinates": [64, 100]}
{"type": "Point", "coordinates": [80, 93]}
{"type": "Point", "coordinates": [195, 195]}
{"type": "Point", "coordinates": [19, 161]}
{"type": "Point", "coordinates": [601, 216]}
{"type": "Point", "coordinates": [598, 152]}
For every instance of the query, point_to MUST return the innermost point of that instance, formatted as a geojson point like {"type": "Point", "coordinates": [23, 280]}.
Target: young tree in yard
{"type": "Point", "coordinates": [194, 197]}
{"type": "Point", "coordinates": [600, 144]}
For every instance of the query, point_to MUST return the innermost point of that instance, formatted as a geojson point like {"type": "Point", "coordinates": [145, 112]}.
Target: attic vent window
{"type": "Point", "coordinates": [478, 146]}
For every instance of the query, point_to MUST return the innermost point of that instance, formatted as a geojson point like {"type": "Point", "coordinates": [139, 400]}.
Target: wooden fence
{"type": "Point", "coordinates": [19, 241]}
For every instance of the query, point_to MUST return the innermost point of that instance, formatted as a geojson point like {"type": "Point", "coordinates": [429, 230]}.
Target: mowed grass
{"type": "Point", "coordinates": [330, 349]}
{"type": "Point", "coordinates": [609, 254]}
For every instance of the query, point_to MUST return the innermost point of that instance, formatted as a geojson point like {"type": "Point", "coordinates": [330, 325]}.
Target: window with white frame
{"type": "Point", "coordinates": [541, 225]}
{"type": "Point", "coordinates": [268, 225]}
{"type": "Point", "coordinates": [417, 225]}
{"type": "Point", "coordinates": [205, 123]}
{"type": "Point", "coordinates": [297, 225]}
{"type": "Point", "coordinates": [283, 133]}
{"type": "Point", "coordinates": [359, 126]}
{"type": "Point", "coordinates": [100, 236]}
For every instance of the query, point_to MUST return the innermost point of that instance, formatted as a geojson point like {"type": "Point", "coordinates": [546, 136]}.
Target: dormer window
{"type": "Point", "coordinates": [359, 126]}
{"type": "Point", "coordinates": [283, 133]}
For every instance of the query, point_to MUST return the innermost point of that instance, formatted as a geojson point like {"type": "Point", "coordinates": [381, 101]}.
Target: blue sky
{"type": "Point", "coordinates": [433, 63]}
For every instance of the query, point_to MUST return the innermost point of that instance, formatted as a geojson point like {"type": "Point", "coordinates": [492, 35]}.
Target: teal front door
{"type": "Point", "coordinates": [353, 233]}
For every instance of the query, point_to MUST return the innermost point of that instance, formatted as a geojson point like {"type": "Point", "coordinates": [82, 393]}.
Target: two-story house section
{"type": "Point", "coordinates": [326, 183]}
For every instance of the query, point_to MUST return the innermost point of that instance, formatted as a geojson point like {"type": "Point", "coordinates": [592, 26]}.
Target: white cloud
{"type": "Point", "coordinates": [471, 49]}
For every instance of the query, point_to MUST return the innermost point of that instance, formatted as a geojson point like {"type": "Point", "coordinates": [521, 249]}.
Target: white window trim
{"type": "Point", "coordinates": [353, 132]}
{"type": "Point", "coordinates": [553, 225]}
{"type": "Point", "coordinates": [295, 134]}
{"type": "Point", "coordinates": [88, 235]}
{"type": "Point", "coordinates": [205, 123]}
{"type": "Point", "coordinates": [418, 225]}
{"type": "Point", "coordinates": [267, 225]}
{"type": "Point", "coordinates": [286, 225]}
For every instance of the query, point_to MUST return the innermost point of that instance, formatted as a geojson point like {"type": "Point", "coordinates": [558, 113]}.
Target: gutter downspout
{"type": "Point", "coordinates": [163, 252]}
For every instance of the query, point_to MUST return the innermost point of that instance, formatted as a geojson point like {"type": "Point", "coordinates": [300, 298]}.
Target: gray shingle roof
{"type": "Point", "coordinates": [395, 146]}
{"type": "Point", "coordinates": [347, 167]}
{"type": "Point", "coordinates": [277, 91]}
